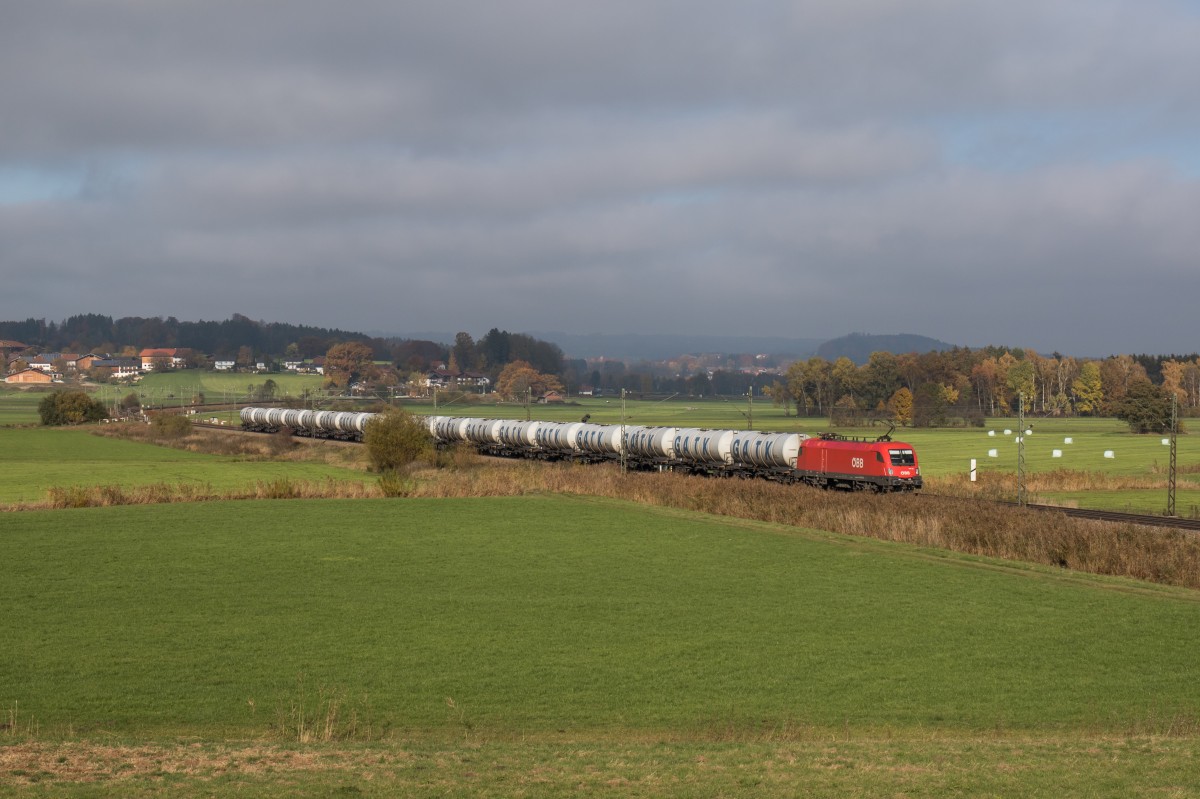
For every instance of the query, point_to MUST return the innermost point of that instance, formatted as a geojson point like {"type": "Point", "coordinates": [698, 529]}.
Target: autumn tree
{"type": "Point", "coordinates": [880, 378]}
{"type": "Point", "coordinates": [797, 386]}
{"type": "Point", "coordinates": [519, 378]}
{"type": "Point", "coordinates": [1173, 373]}
{"type": "Point", "coordinates": [1089, 392]}
{"type": "Point", "coordinates": [780, 396]}
{"type": "Point", "coordinates": [818, 376]}
{"type": "Point", "coordinates": [1022, 381]}
{"type": "Point", "coordinates": [1117, 374]}
{"type": "Point", "coordinates": [847, 380]}
{"type": "Point", "coordinates": [347, 362]}
{"type": "Point", "coordinates": [901, 406]}
{"type": "Point", "coordinates": [929, 406]}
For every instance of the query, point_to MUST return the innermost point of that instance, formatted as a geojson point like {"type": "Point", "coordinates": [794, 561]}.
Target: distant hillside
{"type": "Point", "coordinates": [653, 347]}
{"type": "Point", "coordinates": [633, 347]}
{"type": "Point", "coordinates": [859, 346]}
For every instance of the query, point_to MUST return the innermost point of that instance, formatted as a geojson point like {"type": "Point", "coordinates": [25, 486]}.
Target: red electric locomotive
{"type": "Point", "coordinates": [833, 461]}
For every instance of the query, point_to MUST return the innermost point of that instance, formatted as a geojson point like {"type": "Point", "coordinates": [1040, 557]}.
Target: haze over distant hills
{"type": "Point", "coordinates": [859, 346]}
{"type": "Point", "coordinates": [633, 347]}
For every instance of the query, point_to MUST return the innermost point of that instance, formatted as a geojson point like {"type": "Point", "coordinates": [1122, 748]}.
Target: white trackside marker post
{"type": "Point", "coordinates": [973, 470]}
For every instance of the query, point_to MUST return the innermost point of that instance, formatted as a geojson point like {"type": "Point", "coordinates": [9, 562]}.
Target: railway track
{"type": "Point", "coordinates": [1175, 522]}
{"type": "Point", "coordinates": [238, 431]}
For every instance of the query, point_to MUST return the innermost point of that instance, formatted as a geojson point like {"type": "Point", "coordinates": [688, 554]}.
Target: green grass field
{"type": "Point", "coordinates": [179, 386]}
{"type": "Point", "coordinates": [550, 613]}
{"type": "Point", "coordinates": [34, 459]}
{"type": "Point", "coordinates": [554, 642]}
{"type": "Point", "coordinates": [549, 645]}
{"type": "Point", "coordinates": [19, 407]}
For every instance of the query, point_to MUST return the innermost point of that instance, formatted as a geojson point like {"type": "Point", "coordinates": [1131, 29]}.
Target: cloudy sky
{"type": "Point", "coordinates": [1022, 173]}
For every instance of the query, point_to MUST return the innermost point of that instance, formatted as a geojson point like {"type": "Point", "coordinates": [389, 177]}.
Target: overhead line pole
{"type": "Point", "coordinates": [1021, 450]}
{"type": "Point", "coordinates": [1171, 472]}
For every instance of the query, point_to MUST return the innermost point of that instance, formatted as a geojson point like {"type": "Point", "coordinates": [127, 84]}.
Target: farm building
{"type": "Point", "coordinates": [29, 376]}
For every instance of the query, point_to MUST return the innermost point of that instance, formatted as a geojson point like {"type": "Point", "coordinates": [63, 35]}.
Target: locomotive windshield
{"type": "Point", "coordinates": [903, 457]}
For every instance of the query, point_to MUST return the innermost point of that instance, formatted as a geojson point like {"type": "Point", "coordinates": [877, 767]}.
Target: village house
{"type": "Point", "coordinates": [121, 367]}
{"type": "Point", "coordinates": [160, 359]}
{"type": "Point", "coordinates": [441, 377]}
{"type": "Point", "coordinates": [29, 375]}
{"type": "Point", "coordinates": [84, 362]}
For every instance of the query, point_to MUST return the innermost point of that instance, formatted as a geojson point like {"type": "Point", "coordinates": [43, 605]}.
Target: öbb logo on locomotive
{"type": "Point", "coordinates": [829, 461]}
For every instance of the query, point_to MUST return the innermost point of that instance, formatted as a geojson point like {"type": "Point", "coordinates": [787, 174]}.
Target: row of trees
{"type": "Point", "coordinates": [970, 384]}
{"type": "Point", "coordinates": [99, 333]}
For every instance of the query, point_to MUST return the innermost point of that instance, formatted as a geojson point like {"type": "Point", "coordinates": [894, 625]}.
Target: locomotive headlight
{"type": "Point", "coordinates": [891, 472]}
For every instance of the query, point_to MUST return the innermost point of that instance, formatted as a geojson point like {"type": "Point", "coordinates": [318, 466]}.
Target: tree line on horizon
{"type": "Point", "coordinates": [954, 386]}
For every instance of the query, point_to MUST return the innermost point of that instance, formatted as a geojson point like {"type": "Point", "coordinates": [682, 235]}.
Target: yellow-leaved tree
{"type": "Point", "coordinates": [519, 379]}
{"type": "Point", "coordinates": [901, 406]}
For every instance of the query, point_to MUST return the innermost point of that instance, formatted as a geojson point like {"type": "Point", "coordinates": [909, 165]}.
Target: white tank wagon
{"type": "Point", "coordinates": [256, 419]}
{"type": "Point", "coordinates": [651, 444]}
{"type": "Point", "coordinates": [449, 429]}
{"type": "Point", "coordinates": [350, 424]}
{"type": "Point", "coordinates": [321, 420]}
{"type": "Point", "coordinates": [766, 450]}
{"type": "Point", "coordinates": [518, 433]}
{"type": "Point", "coordinates": [558, 437]}
{"type": "Point", "coordinates": [274, 417]}
{"type": "Point", "coordinates": [596, 441]}
{"type": "Point", "coordinates": [702, 449]}
{"type": "Point", "coordinates": [482, 432]}
{"type": "Point", "coordinates": [292, 418]}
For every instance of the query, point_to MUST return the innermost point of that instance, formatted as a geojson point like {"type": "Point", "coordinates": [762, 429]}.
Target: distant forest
{"type": "Point", "coordinates": [95, 332]}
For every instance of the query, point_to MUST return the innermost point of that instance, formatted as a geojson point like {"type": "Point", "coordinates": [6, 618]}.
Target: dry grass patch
{"type": "Point", "coordinates": [245, 446]}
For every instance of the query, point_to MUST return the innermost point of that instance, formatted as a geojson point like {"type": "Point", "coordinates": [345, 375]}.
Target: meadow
{"type": "Point", "coordinates": [546, 645]}
{"type": "Point", "coordinates": [178, 387]}
{"type": "Point", "coordinates": [19, 407]}
{"type": "Point", "coordinates": [33, 461]}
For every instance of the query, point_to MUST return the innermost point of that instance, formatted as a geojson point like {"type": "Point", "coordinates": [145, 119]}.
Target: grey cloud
{"type": "Point", "coordinates": [973, 171]}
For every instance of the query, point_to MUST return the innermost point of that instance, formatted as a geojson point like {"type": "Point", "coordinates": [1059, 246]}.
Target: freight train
{"type": "Point", "coordinates": [827, 460]}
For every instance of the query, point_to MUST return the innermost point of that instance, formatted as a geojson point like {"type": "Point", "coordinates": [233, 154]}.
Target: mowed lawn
{"type": "Point", "coordinates": [549, 615]}
{"type": "Point", "coordinates": [32, 460]}
{"type": "Point", "coordinates": [20, 407]}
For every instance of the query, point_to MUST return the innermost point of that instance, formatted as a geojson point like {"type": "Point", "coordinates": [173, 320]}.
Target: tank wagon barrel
{"type": "Point", "coordinates": [558, 437]}
{"type": "Point", "coordinates": [651, 442]}
{"type": "Point", "coordinates": [768, 450]}
{"type": "Point", "coordinates": [828, 460]}
{"type": "Point", "coordinates": [704, 448]}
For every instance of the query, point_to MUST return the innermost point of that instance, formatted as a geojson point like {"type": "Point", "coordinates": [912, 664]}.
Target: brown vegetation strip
{"type": "Point", "coordinates": [91, 762]}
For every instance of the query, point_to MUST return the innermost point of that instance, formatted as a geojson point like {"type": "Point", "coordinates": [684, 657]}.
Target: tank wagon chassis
{"type": "Point", "coordinates": [826, 461]}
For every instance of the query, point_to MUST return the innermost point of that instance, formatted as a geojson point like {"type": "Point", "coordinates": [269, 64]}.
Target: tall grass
{"type": "Point", "coordinates": [323, 714]}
